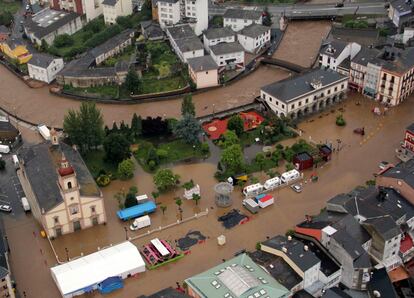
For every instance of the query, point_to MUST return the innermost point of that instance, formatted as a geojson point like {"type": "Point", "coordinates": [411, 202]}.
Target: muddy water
{"type": "Point", "coordinates": [301, 42]}
{"type": "Point", "coordinates": [39, 106]}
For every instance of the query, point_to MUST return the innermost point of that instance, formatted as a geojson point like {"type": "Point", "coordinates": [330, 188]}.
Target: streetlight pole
{"type": "Point", "coordinates": [126, 233]}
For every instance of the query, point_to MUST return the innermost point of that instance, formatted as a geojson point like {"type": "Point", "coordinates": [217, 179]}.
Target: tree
{"type": "Point", "coordinates": [116, 147]}
{"type": "Point", "coordinates": [196, 198]}
{"type": "Point", "coordinates": [130, 200]}
{"type": "Point", "coordinates": [44, 46]}
{"type": "Point", "coordinates": [124, 21]}
{"type": "Point", "coordinates": [136, 126]}
{"type": "Point", "coordinates": [85, 127]}
{"type": "Point", "coordinates": [115, 128]}
{"type": "Point", "coordinates": [236, 124]}
{"type": "Point", "coordinates": [6, 18]}
{"type": "Point", "coordinates": [63, 40]}
{"type": "Point", "coordinates": [188, 129]}
{"type": "Point", "coordinates": [163, 209]}
{"type": "Point", "coordinates": [340, 121]}
{"type": "Point", "coordinates": [232, 158]}
{"type": "Point", "coordinates": [134, 190]}
{"type": "Point", "coordinates": [187, 106]}
{"type": "Point", "coordinates": [132, 82]}
{"type": "Point", "coordinates": [165, 179]}
{"type": "Point", "coordinates": [260, 160]}
{"type": "Point", "coordinates": [178, 202]}
{"type": "Point", "coordinates": [229, 138]}
{"type": "Point", "coordinates": [126, 169]}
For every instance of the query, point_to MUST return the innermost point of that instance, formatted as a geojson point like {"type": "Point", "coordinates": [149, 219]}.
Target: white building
{"type": "Point", "coordinates": [116, 8]}
{"type": "Point", "coordinates": [49, 23]}
{"type": "Point", "coordinates": [254, 37]}
{"type": "Point", "coordinates": [184, 42]}
{"type": "Point", "coordinates": [401, 13]}
{"type": "Point", "coordinates": [197, 11]}
{"type": "Point", "coordinates": [90, 8]}
{"type": "Point", "coordinates": [237, 19]}
{"type": "Point", "coordinates": [204, 73]}
{"type": "Point", "coordinates": [214, 36]}
{"type": "Point", "coordinates": [305, 93]}
{"type": "Point", "coordinates": [86, 273]}
{"type": "Point", "coordinates": [44, 67]}
{"type": "Point", "coordinates": [169, 12]}
{"type": "Point", "coordinates": [228, 55]}
{"type": "Point", "coordinates": [334, 52]}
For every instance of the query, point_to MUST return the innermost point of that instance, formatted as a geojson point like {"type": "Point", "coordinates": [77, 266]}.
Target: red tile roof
{"type": "Point", "coordinates": [66, 171]}
{"type": "Point", "coordinates": [406, 244]}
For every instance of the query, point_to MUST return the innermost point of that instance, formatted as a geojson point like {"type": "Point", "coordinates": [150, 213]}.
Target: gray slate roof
{"type": "Point", "coordinates": [42, 60]}
{"type": "Point", "coordinates": [226, 48]}
{"type": "Point", "coordinates": [333, 48]}
{"type": "Point", "coordinates": [381, 282]}
{"type": "Point", "coordinates": [189, 44]}
{"type": "Point", "coordinates": [366, 55]}
{"type": "Point", "coordinates": [254, 30]}
{"type": "Point", "coordinates": [202, 63]}
{"type": "Point", "coordinates": [112, 43]}
{"type": "Point", "coordinates": [214, 33]}
{"type": "Point", "coordinates": [246, 14]}
{"type": "Point", "coordinates": [181, 32]}
{"type": "Point", "coordinates": [335, 292]}
{"type": "Point", "coordinates": [291, 88]}
{"type": "Point", "coordinates": [385, 226]}
{"type": "Point", "coordinates": [167, 293]}
{"type": "Point", "coordinates": [410, 127]}
{"type": "Point", "coordinates": [402, 6]}
{"type": "Point", "coordinates": [295, 251]}
{"type": "Point", "coordinates": [41, 164]}
{"type": "Point", "coordinates": [110, 2]}
{"type": "Point", "coordinates": [356, 252]}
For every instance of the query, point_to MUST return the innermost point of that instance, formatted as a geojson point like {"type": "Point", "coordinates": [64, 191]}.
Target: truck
{"type": "Point", "coordinates": [264, 200]}
{"type": "Point", "coordinates": [4, 149]}
{"type": "Point", "coordinates": [290, 176]}
{"type": "Point", "coordinates": [137, 211]}
{"type": "Point", "coordinates": [251, 205]}
{"type": "Point", "coordinates": [25, 204]}
{"type": "Point", "coordinates": [272, 183]}
{"type": "Point", "coordinates": [44, 131]}
{"type": "Point", "coordinates": [252, 190]}
{"type": "Point", "coordinates": [140, 222]}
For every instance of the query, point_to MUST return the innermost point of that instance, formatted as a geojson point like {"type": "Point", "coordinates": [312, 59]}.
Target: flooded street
{"type": "Point", "coordinates": [354, 164]}
{"type": "Point", "coordinates": [303, 38]}
{"type": "Point", "coordinates": [39, 106]}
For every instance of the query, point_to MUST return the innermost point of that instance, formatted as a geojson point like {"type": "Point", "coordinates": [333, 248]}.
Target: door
{"type": "Point", "coordinates": [58, 232]}
{"type": "Point", "coordinates": [76, 225]}
{"type": "Point", "coordinates": [95, 221]}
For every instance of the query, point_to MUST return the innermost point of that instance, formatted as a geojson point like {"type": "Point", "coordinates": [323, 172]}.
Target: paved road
{"type": "Point", "coordinates": [374, 7]}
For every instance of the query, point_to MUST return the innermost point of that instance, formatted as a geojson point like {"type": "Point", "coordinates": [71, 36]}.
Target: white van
{"type": "Point", "coordinates": [16, 161]}
{"type": "Point", "coordinates": [44, 131]}
{"type": "Point", "coordinates": [252, 190]}
{"type": "Point", "coordinates": [272, 183]}
{"type": "Point", "coordinates": [4, 149]}
{"type": "Point", "coordinates": [140, 222]}
{"type": "Point", "coordinates": [25, 204]}
{"type": "Point", "coordinates": [290, 176]}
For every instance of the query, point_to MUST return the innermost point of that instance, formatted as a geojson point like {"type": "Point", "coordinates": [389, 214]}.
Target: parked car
{"type": "Point", "coordinates": [297, 188]}
{"type": "Point", "coordinates": [383, 164]}
{"type": "Point", "coordinates": [5, 208]}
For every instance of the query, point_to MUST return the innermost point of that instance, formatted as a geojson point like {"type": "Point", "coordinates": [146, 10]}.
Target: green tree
{"type": "Point", "coordinates": [6, 18]}
{"type": "Point", "coordinates": [230, 138]}
{"type": "Point", "coordinates": [188, 129]}
{"type": "Point", "coordinates": [136, 126]}
{"type": "Point", "coordinates": [196, 198]}
{"type": "Point", "coordinates": [124, 21]}
{"type": "Point", "coordinates": [232, 158]}
{"type": "Point", "coordinates": [289, 166]}
{"type": "Point", "coordinates": [116, 147]}
{"type": "Point", "coordinates": [126, 169]}
{"type": "Point", "coordinates": [163, 209]}
{"type": "Point", "coordinates": [133, 189]}
{"type": "Point", "coordinates": [340, 121]}
{"type": "Point", "coordinates": [260, 160]}
{"type": "Point", "coordinates": [236, 124]}
{"type": "Point", "coordinates": [132, 82]}
{"type": "Point", "coordinates": [44, 46]}
{"type": "Point", "coordinates": [165, 179]}
{"type": "Point", "coordinates": [187, 106]}
{"type": "Point", "coordinates": [178, 202]}
{"type": "Point", "coordinates": [64, 40]}
{"type": "Point", "coordinates": [130, 200]}
{"type": "Point", "coordinates": [85, 127]}
{"type": "Point", "coordinates": [288, 154]}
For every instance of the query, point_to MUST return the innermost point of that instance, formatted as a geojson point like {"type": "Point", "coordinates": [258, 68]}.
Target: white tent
{"type": "Point", "coordinates": [76, 276]}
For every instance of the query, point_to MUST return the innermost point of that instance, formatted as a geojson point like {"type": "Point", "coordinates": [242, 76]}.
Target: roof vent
{"type": "Point", "coordinates": [306, 248]}
{"type": "Point", "coordinates": [316, 84]}
{"type": "Point", "coordinates": [289, 238]}
{"type": "Point", "coordinates": [284, 249]}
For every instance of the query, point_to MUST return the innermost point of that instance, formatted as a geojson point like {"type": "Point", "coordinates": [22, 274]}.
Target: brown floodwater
{"type": "Point", "coordinates": [354, 164]}
{"type": "Point", "coordinates": [301, 42]}
{"type": "Point", "coordinates": [39, 106]}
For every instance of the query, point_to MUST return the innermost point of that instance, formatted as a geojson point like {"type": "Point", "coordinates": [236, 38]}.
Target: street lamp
{"type": "Point", "coordinates": [67, 253]}
{"type": "Point", "coordinates": [126, 233]}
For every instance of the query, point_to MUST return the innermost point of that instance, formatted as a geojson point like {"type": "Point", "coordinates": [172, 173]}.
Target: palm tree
{"type": "Point", "coordinates": [179, 202]}
{"type": "Point", "coordinates": [163, 208]}
{"type": "Point", "coordinates": [196, 198]}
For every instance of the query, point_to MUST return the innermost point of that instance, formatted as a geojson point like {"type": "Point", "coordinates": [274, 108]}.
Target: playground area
{"type": "Point", "coordinates": [216, 128]}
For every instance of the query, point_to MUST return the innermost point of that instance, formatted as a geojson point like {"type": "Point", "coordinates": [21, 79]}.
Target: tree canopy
{"type": "Point", "coordinates": [126, 169]}
{"type": "Point", "coordinates": [116, 147]}
{"type": "Point", "coordinates": [232, 158]}
{"type": "Point", "coordinates": [165, 179]}
{"type": "Point", "coordinates": [85, 127]}
{"type": "Point", "coordinates": [236, 124]}
{"type": "Point", "coordinates": [132, 82]}
{"type": "Point", "coordinates": [188, 129]}
{"type": "Point", "coordinates": [136, 126]}
{"type": "Point", "coordinates": [229, 138]}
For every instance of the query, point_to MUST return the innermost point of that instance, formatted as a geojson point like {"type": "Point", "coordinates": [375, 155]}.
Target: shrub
{"type": "Point", "coordinates": [165, 180]}
{"type": "Point", "coordinates": [161, 153]}
{"type": "Point", "coordinates": [205, 148]}
{"type": "Point", "coordinates": [340, 121]}
{"type": "Point", "coordinates": [103, 180]}
{"type": "Point", "coordinates": [63, 40]}
{"type": "Point", "coordinates": [152, 165]}
{"type": "Point", "coordinates": [126, 169]}
{"type": "Point", "coordinates": [289, 167]}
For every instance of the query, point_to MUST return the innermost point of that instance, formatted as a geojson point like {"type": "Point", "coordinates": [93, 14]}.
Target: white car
{"type": "Point", "coordinates": [297, 188]}
{"type": "Point", "coordinates": [5, 208]}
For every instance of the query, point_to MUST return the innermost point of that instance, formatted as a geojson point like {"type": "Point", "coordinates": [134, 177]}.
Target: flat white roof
{"type": "Point", "coordinates": [95, 268]}
{"type": "Point", "coordinates": [160, 247]}
{"type": "Point", "coordinates": [329, 230]}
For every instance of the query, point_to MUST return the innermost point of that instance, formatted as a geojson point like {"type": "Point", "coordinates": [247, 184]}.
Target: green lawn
{"type": "Point", "coordinates": [95, 161]}
{"type": "Point", "coordinates": [124, 56]}
{"type": "Point", "coordinates": [11, 7]}
{"type": "Point", "coordinates": [105, 92]}
{"type": "Point", "coordinates": [161, 52]}
{"type": "Point", "coordinates": [162, 85]}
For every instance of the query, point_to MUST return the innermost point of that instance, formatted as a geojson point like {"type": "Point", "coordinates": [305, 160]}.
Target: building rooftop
{"type": "Point", "coordinates": [226, 48]}
{"type": "Point", "coordinates": [410, 128]}
{"type": "Point", "coordinates": [48, 20]}
{"type": "Point", "coordinates": [384, 226]}
{"type": "Point", "coordinates": [41, 60]}
{"type": "Point", "coordinates": [354, 249]}
{"type": "Point", "coordinates": [41, 163]}
{"type": "Point", "coordinates": [239, 277]}
{"type": "Point", "coordinates": [189, 44]}
{"type": "Point", "coordinates": [214, 33]}
{"type": "Point", "coordinates": [296, 251]}
{"type": "Point", "coordinates": [302, 294]}
{"type": "Point", "coordinates": [111, 43]}
{"type": "Point", "coordinates": [110, 2]}
{"type": "Point", "coordinates": [366, 55]}
{"type": "Point", "coordinates": [203, 63]}
{"type": "Point", "coordinates": [381, 283]}
{"type": "Point", "coordinates": [167, 293]}
{"type": "Point", "coordinates": [151, 30]}
{"type": "Point", "coordinates": [246, 14]}
{"type": "Point", "coordinates": [292, 88]}
{"type": "Point", "coordinates": [254, 30]}
{"type": "Point", "coordinates": [402, 6]}
{"type": "Point", "coordinates": [366, 37]}
{"type": "Point", "coordinates": [181, 32]}
{"type": "Point", "coordinates": [333, 48]}
{"type": "Point", "coordinates": [335, 292]}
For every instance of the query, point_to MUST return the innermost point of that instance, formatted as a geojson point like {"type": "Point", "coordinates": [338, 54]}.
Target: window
{"type": "Point", "coordinates": [74, 209]}
{"type": "Point", "coordinates": [56, 219]}
{"type": "Point", "coordinates": [93, 209]}
{"type": "Point", "coordinates": [283, 106]}
{"type": "Point", "coordinates": [336, 89]}
{"type": "Point", "coordinates": [342, 86]}
{"type": "Point", "coordinates": [292, 106]}
{"type": "Point", "coordinates": [307, 100]}
{"type": "Point", "coordinates": [300, 103]}
{"type": "Point", "coordinates": [69, 185]}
